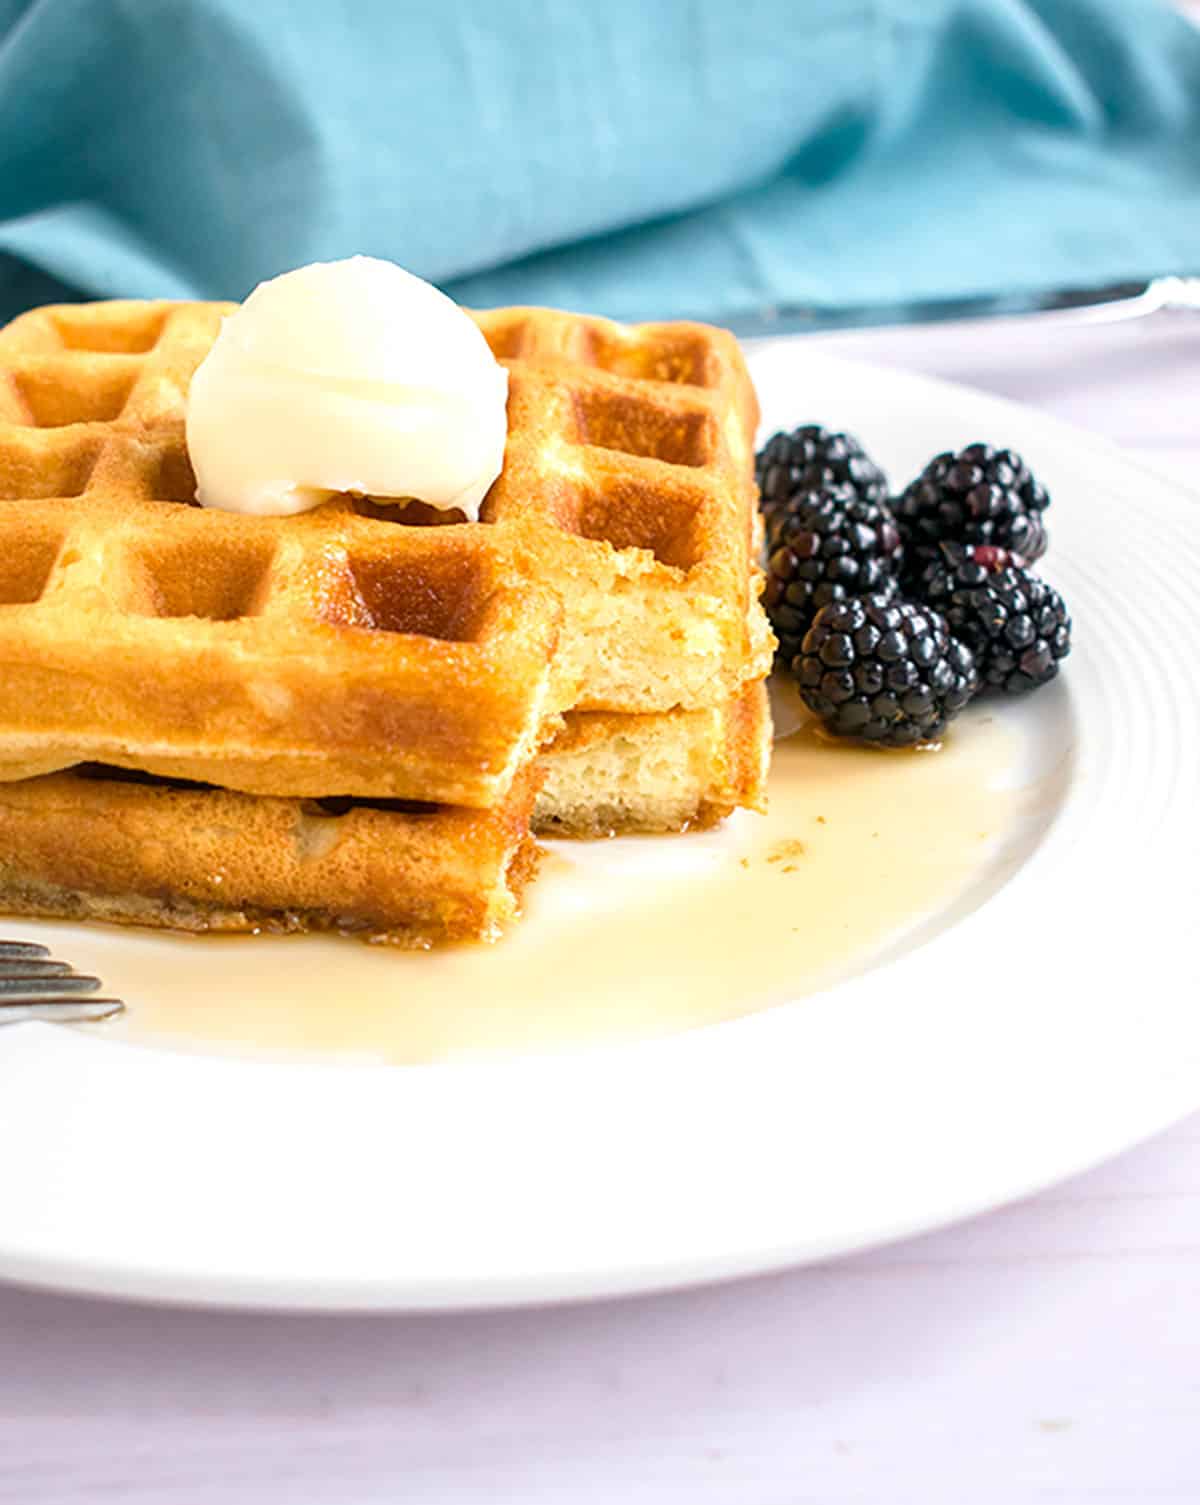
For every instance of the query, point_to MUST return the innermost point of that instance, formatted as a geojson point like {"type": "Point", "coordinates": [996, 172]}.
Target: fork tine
{"type": "Point", "coordinates": [17, 989]}
{"type": "Point", "coordinates": [32, 966]}
{"type": "Point", "coordinates": [61, 1010]}
{"type": "Point", "coordinates": [35, 986]}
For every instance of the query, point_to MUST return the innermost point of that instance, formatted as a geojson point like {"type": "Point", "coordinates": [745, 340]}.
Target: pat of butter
{"type": "Point", "coordinates": [346, 376]}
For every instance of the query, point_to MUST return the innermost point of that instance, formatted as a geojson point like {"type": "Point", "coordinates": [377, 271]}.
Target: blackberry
{"type": "Point", "coordinates": [980, 495]}
{"type": "Point", "coordinates": [1015, 624]}
{"type": "Point", "coordinates": [828, 545]}
{"type": "Point", "coordinates": [884, 671]}
{"type": "Point", "coordinates": [810, 459]}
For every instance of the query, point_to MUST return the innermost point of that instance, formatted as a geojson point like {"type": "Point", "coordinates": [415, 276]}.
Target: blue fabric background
{"type": "Point", "coordinates": [636, 157]}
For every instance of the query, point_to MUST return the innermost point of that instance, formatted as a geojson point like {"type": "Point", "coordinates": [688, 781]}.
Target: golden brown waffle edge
{"type": "Point", "coordinates": [102, 843]}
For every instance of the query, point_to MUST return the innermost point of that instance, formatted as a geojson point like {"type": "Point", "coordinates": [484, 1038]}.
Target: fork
{"type": "Point", "coordinates": [35, 986]}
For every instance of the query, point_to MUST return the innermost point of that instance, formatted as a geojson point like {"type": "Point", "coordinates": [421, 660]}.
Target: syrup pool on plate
{"type": "Point", "coordinates": [635, 938]}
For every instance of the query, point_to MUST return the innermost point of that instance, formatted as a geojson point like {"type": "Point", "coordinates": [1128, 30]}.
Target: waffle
{"type": "Point", "coordinates": [103, 843]}
{"type": "Point", "coordinates": [611, 572]}
{"type": "Point", "coordinates": [608, 775]}
{"type": "Point", "coordinates": [629, 480]}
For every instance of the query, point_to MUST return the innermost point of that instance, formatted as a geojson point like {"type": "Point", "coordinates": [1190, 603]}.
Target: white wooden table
{"type": "Point", "coordinates": [1049, 1352]}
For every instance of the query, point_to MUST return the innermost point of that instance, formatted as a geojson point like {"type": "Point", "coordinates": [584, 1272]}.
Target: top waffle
{"type": "Point", "coordinates": [612, 569]}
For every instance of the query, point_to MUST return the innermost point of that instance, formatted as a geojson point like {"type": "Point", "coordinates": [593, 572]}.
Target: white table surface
{"type": "Point", "coordinates": [1049, 1352]}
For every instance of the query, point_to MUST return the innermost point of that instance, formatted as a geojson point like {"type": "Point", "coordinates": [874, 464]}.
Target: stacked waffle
{"type": "Point", "coordinates": [354, 718]}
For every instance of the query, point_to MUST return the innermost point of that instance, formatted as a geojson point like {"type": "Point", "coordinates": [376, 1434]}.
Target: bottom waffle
{"type": "Point", "coordinates": [101, 843]}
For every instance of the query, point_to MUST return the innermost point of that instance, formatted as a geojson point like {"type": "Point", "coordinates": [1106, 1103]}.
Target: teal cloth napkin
{"type": "Point", "coordinates": [705, 158]}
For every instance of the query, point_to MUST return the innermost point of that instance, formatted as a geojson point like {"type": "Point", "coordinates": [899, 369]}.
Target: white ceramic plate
{"type": "Point", "coordinates": [1023, 1039]}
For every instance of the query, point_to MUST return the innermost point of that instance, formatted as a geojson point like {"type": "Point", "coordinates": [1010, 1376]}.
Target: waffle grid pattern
{"type": "Point", "coordinates": [652, 425]}
{"type": "Point", "coordinates": [92, 402]}
{"type": "Point", "coordinates": [274, 655]}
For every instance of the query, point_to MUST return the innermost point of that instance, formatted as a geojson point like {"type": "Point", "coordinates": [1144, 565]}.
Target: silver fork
{"type": "Point", "coordinates": [35, 986]}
